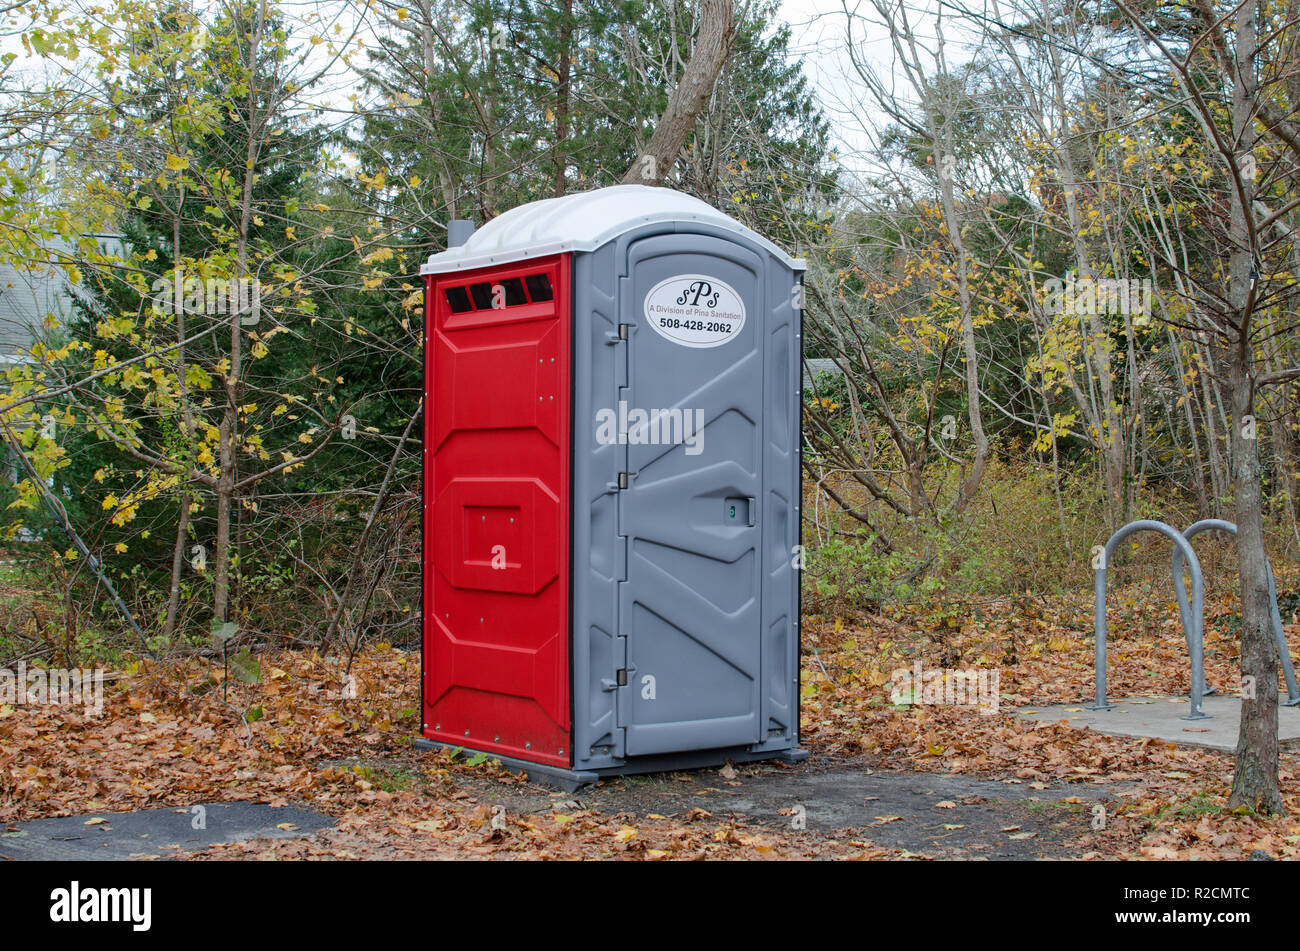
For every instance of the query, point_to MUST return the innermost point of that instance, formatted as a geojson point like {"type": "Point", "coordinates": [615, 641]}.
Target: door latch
{"type": "Point", "coordinates": [738, 510]}
{"type": "Point", "coordinates": [620, 680]}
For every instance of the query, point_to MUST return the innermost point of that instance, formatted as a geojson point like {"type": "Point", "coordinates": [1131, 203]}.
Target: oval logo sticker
{"type": "Point", "coordinates": [695, 310]}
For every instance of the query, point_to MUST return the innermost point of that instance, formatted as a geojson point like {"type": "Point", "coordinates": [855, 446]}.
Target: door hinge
{"type": "Point", "coordinates": [622, 480]}
{"type": "Point", "coordinates": [622, 331]}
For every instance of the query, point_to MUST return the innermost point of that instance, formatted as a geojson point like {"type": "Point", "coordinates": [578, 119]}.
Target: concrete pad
{"type": "Point", "coordinates": [115, 836]}
{"type": "Point", "coordinates": [938, 815]}
{"type": "Point", "coordinates": [1160, 717]}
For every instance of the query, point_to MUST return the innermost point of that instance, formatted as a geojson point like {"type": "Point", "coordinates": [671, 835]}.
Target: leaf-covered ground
{"type": "Point", "coordinates": [174, 734]}
{"type": "Point", "coordinates": [1174, 805]}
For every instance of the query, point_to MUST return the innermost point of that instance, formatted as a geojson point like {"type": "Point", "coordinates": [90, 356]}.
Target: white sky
{"type": "Point", "coordinates": [820, 36]}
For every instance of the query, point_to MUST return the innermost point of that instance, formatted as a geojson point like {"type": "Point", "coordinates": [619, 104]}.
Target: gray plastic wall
{"type": "Point", "coordinates": [670, 581]}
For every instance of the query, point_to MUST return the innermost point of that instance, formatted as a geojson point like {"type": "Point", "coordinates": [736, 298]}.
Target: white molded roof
{"type": "Point", "coordinates": [583, 222]}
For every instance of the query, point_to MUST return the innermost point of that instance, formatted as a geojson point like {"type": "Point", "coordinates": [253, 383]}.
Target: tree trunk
{"type": "Point", "coordinates": [562, 100]}
{"type": "Point", "coordinates": [178, 566]}
{"type": "Point", "coordinates": [225, 492]}
{"type": "Point", "coordinates": [1211, 402]}
{"type": "Point", "coordinates": [1097, 348]}
{"type": "Point", "coordinates": [1198, 470]}
{"type": "Point", "coordinates": [712, 43]}
{"type": "Point", "coordinates": [970, 485]}
{"type": "Point", "coordinates": [1255, 779]}
{"type": "Point", "coordinates": [187, 426]}
{"type": "Point", "coordinates": [230, 417]}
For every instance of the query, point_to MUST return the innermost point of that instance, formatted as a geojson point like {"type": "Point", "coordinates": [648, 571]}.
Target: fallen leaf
{"type": "Point", "coordinates": [1159, 852]}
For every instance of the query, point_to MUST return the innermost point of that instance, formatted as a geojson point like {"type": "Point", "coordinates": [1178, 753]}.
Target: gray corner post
{"type": "Point", "coordinates": [459, 230]}
{"type": "Point", "coordinates": [1197, 611]}
{"type": "Point", "coordinates": [1279, 634]}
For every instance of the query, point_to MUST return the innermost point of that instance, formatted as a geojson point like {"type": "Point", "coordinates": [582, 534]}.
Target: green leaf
{"type": "Point", "coordinates": [221, 633]}
{"type": "Point", "coordinates": [254, 714]}
{"type": "Point", "coordinates": [246, 667]}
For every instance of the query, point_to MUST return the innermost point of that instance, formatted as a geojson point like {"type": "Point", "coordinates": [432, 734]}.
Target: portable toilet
{"type": "Point", "coordinates": [612, 488]}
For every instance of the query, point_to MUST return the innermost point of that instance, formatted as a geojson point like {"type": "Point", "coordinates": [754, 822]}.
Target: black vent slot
{"type": "Point", "coordinates": [458, 300]}
{"type": "Point", "coordinates": [514, 289]}
{"type": "Point", "coordinates": [539, 287]}
{"type": "Point", "coordinates": [510, 293]}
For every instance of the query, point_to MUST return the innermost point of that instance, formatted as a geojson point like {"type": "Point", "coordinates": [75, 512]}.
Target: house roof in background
{"type": "Point", "coordinates": [816, 366]}
{"type": "Point", "coordinates": [27, 297]}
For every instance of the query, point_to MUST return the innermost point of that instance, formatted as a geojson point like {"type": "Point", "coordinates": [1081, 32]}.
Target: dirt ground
{"type": "Point", "coordinates": [885, 781]}
{"type": "Point", "coordinates": [928, 815]}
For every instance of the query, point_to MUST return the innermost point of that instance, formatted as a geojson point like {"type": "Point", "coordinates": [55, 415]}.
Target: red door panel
{"type": "Point", "coordinates": [496, 497]}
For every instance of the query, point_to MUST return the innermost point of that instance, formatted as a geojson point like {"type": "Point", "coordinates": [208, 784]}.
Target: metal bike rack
{"type": "Point", "coordinates": [1197, 612]}
{"type": "Point", "coordinates": [1279, 634]}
